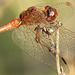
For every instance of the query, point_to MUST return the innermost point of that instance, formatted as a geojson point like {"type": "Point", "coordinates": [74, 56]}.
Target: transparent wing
{"type": "Point", "coordinates": [24, 37]}
{"type": "Point", "coordinates": [64, 10]}
{"type": "Point", "coordinates": [67, 41]}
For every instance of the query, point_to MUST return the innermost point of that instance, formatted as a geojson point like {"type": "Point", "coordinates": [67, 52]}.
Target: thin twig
{"type": "Point", "coordinates": [60, 70]}
{"type": "Point", "coordinates": [57, 55]}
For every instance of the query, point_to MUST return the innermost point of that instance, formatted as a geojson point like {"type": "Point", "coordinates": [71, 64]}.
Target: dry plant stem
{"type": "Point", "coordinates": [57, 55]}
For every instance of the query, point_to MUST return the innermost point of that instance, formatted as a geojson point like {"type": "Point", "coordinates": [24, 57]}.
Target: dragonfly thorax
{"type": "Point", "coordinates": [32, 16]}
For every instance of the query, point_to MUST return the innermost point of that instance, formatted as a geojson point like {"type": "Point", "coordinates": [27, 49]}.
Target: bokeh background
{"type": "Point", "coordinates": [12, 60]}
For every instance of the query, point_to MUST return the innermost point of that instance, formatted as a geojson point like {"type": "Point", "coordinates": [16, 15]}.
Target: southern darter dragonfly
{"type": "Point", "coordinates": [35, 31]}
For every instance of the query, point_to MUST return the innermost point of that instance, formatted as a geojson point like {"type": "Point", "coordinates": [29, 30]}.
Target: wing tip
{"type": "Point", "coordinates": [68, 3]}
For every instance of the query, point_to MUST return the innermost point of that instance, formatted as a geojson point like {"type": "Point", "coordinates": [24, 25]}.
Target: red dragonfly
{"type": "Point", "coordinates": [40, 19]}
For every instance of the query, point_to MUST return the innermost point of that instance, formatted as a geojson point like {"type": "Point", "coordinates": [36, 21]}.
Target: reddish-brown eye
{"type": "Point", "coordinates": [53, 15]}
{"type": "Point", "coordinates": [50, 13]}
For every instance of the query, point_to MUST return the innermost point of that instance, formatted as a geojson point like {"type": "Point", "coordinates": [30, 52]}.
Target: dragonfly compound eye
{"type": "Point", "coordinates": [50, 13]}
{"type": "Point", "coordinates": [20, 17]}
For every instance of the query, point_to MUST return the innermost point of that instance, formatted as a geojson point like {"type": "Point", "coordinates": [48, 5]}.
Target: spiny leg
{"type": "Point", "coordinates": [45, 22]}
{"type": "Point", "coordinates": [37, 38]}
{"type": "Point", "coordinates": [55, 27]}
{"type": "Point", "coordinates": [45, 31]}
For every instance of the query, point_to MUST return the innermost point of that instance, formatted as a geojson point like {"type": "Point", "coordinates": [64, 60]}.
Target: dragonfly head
{"type": "Point", "coordinates": [50, 13]}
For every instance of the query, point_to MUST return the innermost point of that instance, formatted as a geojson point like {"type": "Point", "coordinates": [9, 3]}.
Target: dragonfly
{"type": "Point", "coordinates": [35, 24]}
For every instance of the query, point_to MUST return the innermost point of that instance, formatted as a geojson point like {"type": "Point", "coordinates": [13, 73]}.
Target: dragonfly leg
{"type": "Point", "coordinates": [51, 31]}
{"type": "Point", "coordinates": [45, 22]}
{"type": "Point", "coordinates": [57, 26]}
{"type": "Point", "coordinates": [54, 28]}
{"type": "Point", "coordinates": [45, 32]}
{"type": "Point", "coordinates": [37, 38]}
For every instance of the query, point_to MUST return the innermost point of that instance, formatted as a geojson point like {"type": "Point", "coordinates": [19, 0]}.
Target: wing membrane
{"type": "Point", "coordinates": [65, 11]}
{"type": "Point", "coordinates": [67, 41]}
{"type": "Point", "coordinates": [24, 37]}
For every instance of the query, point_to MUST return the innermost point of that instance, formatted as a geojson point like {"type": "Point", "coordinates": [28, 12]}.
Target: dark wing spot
{"type": "Point", "coordinates": [64, 60]}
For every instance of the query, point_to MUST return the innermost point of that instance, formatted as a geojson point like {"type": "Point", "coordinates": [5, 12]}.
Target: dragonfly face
{"type": "Point", "coordinates": [50, 13]}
